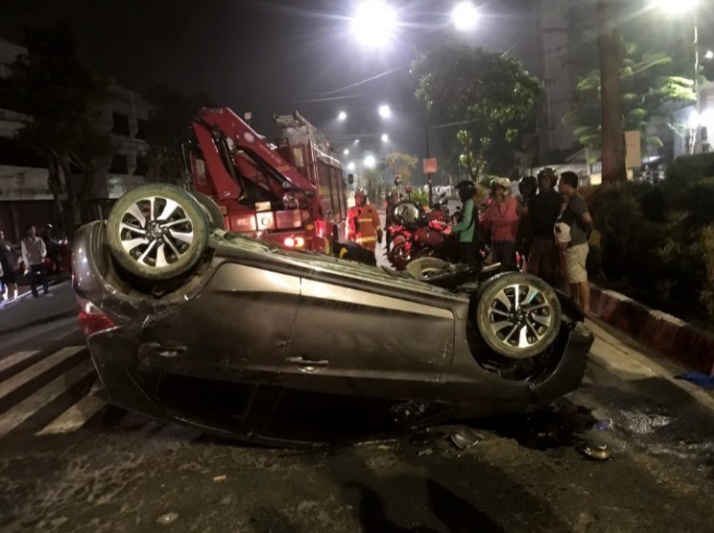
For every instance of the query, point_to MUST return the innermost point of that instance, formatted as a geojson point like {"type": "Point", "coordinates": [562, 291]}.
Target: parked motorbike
{"type": "Point", "coordinates": [419, 234]}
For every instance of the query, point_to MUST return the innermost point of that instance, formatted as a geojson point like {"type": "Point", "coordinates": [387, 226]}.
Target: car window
{"type": "Point", "coordinates": [330, 265]}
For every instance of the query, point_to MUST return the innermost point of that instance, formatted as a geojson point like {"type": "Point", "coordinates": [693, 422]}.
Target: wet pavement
{"type": "Point", "coordinates": [120, 472]}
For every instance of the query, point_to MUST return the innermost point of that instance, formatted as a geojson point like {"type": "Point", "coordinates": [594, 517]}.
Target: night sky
{"type": "Point", "coordinates": [273, 56]}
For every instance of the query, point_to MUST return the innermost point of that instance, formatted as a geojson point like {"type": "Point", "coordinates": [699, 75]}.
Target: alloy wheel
{"type": "Point", "coordinates": [520, 316]}
{"type": "Point", "coordinates": [156, 231]}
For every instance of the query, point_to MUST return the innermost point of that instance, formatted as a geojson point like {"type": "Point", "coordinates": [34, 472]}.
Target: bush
{"type": "Point", "coordinates": [655, 247]}
{"type": "Point", "coordinates": [687, 169]}
{"type": "Point", "coordinates": [698, 201]}
{"type": "Point", "coordinates": [707, 293]}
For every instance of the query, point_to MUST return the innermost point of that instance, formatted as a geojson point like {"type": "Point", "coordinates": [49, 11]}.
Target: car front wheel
{"type": "Point", "coordinates": [157, 232]}
{"type": "Point", "coordinates": [518, 315]}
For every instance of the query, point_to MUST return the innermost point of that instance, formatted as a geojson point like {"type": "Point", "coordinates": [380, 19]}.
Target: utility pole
{"type": "Point", "coordinates": [613, 140]}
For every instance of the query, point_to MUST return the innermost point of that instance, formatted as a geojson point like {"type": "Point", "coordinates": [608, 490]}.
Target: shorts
{"type": "Point", "coordinates": [575, 260]}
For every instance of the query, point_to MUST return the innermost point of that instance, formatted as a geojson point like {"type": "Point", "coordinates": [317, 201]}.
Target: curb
{"type": "Point", "coordinates": [690, 346]}
{"type": "Point", "coordinates": [38, 322]}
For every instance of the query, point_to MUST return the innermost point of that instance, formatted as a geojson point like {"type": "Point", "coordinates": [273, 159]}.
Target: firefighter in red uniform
{"type": "Point", "coordinates": [363, 223]}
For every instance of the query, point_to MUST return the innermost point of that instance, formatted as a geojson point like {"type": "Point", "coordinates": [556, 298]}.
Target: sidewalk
{"type": "Point", "coordinates": [27, 311]}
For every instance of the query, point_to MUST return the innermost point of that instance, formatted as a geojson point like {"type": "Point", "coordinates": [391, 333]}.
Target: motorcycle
{"type": "Point", "coordinates": [418, 234]}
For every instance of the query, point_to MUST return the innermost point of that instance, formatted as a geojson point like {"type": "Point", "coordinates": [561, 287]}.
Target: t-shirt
{"type": "Point", "coordinates": [572, 215]}
{"type": "Point", "coordinates": [469, 223]}
{"type": "Point", "coordinates": [544, 211]}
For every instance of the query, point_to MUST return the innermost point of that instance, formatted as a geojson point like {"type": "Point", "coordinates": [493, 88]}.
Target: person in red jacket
{"type": "Point", "coordinates": [501, 220]}
{"type": "Point", "coordinates": [363, 224]}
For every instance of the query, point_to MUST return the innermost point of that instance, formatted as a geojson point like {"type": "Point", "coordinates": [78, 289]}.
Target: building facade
{"type": "Point", "coordinates": [25, 197]}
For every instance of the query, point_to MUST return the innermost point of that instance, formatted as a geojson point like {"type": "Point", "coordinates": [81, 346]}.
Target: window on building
{"type": "Point", "coordinates": [16, 154]}
{"type": "Point", "coordinates": [120, 124]}
{"type": "Point", "coordinates": [141, 129]}
{"type": "Point", "coordinates": [142, 165]}
{"type": "Point", "coordinates": [120, 165]}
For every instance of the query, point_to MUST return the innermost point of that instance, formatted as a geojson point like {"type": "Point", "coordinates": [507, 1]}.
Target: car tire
{"type": "Point", "coordinates": [424, 267]}
{"type": "Point", "coordinates": [518, 315]}
{"type": "Point", "coordinates": [157, 232]}
{"type": "Point", "coordinates": [398, 253]}
{"type": "Point", "coordinates": [212, 211]}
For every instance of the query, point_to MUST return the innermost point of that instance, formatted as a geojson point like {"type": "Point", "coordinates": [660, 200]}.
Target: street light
{"type": "Point", "coordinates": [373, 23]}
{"type": "Point", "coordinates": [351, 165]}
{"type": "Point", "coordinates": [464, 16]}
{"type": "Point", "coordinates": [385, 138]}
{"type": "Point", "coordinates": [370, 162]}
{"type": "Point", "coordinates": [385, 111]}
{"type": "Point", "coordinates": [678, 7]}
{"type": "Point", "coordinates": [346, 152]}
{"type": "Point", "coordinates": [342, 116]}
{"type": "Point", "coordinates": [709, 54]}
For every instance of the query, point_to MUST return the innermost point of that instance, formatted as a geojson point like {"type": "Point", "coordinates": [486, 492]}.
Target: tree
{"type": "Point", "coordinates": [63, 99]}
{"type": "Point", "coordinates": [489, 95]}
{"type": "Point", "coordinates": [374, 184]}
{"type": "Point", "coordinates": [402, 164]}
{"type": "Point", "coordinates": [167, 129]}
{"type": "Point", "coordinates": [647, 83]}
{"type": "Point", "coordinates": [639, 78]}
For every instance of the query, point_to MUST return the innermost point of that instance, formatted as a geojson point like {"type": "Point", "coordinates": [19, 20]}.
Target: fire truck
{"type": "Point", "coordinates": [291, 192]}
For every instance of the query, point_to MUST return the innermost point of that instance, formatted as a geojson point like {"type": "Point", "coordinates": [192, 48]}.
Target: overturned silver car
{"type": "Point", "coordinates": [246, 339]}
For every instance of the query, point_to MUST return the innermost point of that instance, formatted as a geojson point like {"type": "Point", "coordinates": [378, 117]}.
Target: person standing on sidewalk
{"type": "Point", "coordinates": [467, 229]}
{"type": "Point", "coordinates": [7, 266]}
{"type": "Point", "coordinates": [547, 205]}
{"type": "Point", "coordinates": [576, 218]}
{"type": "Point", "coordinates": [34, 252]}
{"type": "Point", "coordinates": [501, 219]}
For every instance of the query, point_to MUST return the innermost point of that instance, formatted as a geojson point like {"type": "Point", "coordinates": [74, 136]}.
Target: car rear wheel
{"type": "Point", "coordinates": [157, 232]}
{"type": "Point", "coordinates": [518, 315]}
{"type": "Point", "coordinates": [426, 267]}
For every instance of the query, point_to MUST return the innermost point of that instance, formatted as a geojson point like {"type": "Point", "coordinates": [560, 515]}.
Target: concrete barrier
{"type": "Point", "coordinates": [691, 346]}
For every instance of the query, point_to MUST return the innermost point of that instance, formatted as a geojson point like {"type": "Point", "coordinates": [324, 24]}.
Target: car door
{"type": "Point", "coordinates": [350, 339]}
{"type": "Point", "coordinates": [237, 329]}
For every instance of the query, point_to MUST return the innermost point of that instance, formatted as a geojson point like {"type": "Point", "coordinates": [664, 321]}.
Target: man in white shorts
{"type": "Point", "coordinates": [575, 253]}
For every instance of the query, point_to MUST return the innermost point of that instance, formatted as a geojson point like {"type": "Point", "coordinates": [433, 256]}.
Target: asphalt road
{"type": "Point", "coordinates": [70, 463]}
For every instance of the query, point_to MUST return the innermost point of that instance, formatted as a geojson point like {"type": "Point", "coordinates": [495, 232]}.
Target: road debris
{"type": "Point", "coordinates": [704, 381]}
{"type": "Point", "coordinates": [427, 451]}
{"type": "Point", "coordinates": [465, 438]}
{"type": "Point", "coordinates": [604, 425]}
{"type": "Point", "coordinates": [596, 453]}
{"type": "Point", "coordinates": [219, 478]}
{"type": "Point", "coordinates": [166, 519]}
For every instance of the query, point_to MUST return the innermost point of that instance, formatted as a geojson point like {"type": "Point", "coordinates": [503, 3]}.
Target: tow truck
{"type": "Point", "coordinates": [291, 193]}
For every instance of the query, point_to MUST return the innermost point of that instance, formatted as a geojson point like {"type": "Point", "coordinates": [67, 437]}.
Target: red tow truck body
{"type": "Point", "coordinates": [291, 193]}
